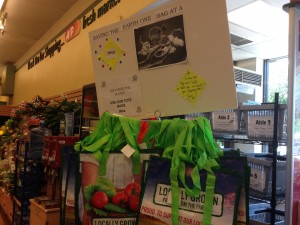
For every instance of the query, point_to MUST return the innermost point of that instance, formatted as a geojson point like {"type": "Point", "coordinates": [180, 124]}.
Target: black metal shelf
{"type": "Point", "coordinates": [273, 143]}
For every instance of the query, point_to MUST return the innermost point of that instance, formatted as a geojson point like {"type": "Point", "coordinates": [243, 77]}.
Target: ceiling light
{"type": "Point", "coordinates": [261, 17]}
{"type": "Point", "coordinates": [2, 23]}
{"type": "Point", "coordinates": [1, 4]}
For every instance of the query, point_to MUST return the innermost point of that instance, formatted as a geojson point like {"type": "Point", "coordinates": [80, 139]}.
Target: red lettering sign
{"type": "Point", "coordinates": [73, 31]}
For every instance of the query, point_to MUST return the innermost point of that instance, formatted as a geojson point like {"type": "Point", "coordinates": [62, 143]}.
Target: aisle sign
{"type": "Point", "coordinates": [225, 121]}
{"type": "Point", "coordinates": [173, 58]}
{"type": "Point", "coordinates": [260, 126]}
{"type": "Point", "coordinates": [258, 179]}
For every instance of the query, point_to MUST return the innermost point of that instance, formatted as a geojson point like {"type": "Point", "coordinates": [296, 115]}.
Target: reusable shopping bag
{"type": "Point", "coordinates": [157, 196]}
{"type": "Point", "coordinates": [111, 171]}
{"type": "Point", "coordinates": [232, 161]}
{"type": "Point", "coordinates": [68, 170]}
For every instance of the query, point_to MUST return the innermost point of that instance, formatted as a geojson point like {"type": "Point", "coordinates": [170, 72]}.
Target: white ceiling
{"type": "Point", "coordinates": [265, 45]}
{"type": "Point", "coordinates": [28, 20]}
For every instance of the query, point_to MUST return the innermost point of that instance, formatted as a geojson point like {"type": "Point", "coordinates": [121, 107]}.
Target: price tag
{"type": "Point", "coordinates": [128, 151]}
{"type": "Point", "coordinates": [143, 146]}
{"type": "Point", "coordinates": [260, 126]}
{"type": "Point", "coordinates": [225, 121]}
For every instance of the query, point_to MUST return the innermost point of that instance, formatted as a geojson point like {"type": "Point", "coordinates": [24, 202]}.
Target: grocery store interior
{"type": "Point", "coordinates": [242, 56]}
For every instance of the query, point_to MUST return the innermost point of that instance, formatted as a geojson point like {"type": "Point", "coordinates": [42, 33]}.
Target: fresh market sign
{"type": "Point", "coordinates": [88, 20]}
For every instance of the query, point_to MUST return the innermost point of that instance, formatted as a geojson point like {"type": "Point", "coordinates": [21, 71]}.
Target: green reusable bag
{"type": "Point", "coordinates": [107, 173]}
{"type": "Point", "coordinates": [182, 141]}
{"type": "Point", "coordinates": [112, 133]}
{"type": "Point", "coordinates": [157, 197]}
{"type": "Point", "coordinates": [190, 141]}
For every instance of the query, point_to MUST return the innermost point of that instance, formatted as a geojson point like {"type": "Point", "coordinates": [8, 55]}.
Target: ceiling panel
{"type": "Point", "coordinates": [27, 21]}
{"type": "Point", "coordinates": [269, 49]}
{"type": "Point", "coordinates": [239, 54]}
{"type": "Point", "coordinates": [277, 3]}
{"type": "Point", "coordinates": [255, 37]}
{"type": "Point", "coordinates": [235, 4]}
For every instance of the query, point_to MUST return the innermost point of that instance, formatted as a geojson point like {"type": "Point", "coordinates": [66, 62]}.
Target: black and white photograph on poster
{"type": "Point", "coordinates": [161, 43]}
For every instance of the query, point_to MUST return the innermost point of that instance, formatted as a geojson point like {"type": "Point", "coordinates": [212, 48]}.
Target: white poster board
{"type": "Point", "coordinates": [178, 54]}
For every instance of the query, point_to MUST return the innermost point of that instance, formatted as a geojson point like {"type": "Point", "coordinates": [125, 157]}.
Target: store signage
{"type": "Point", "coordinates": [260, 126]}
{"type": "Point", "coordinates": [73, 31]}
{"type": "Point", "coordinates": [89, 19]}
{"type": "Point", "coordinates": [163, 44]}
{"type": "Point", "coordinates": [225, 121]}
{"type": "Point", "coordinates": [48, 51]}
{"type": "Point", "coordinates": [121, 95]}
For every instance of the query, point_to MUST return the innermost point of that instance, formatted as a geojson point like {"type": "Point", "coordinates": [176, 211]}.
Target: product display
{"type": "Point", "coordinates": [127, 170]}
{"type": "Point", "coordinates": [114, 196]}
{"type": "Point", "coordinates": [68, 172]}
{"type": "Point", "coordinates": [156, 205]}
{"type": "Point", "coordinates": [29, 179]}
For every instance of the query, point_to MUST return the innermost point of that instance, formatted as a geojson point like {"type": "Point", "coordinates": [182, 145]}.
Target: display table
{"type": "Point", "coordinates": [41, 216]}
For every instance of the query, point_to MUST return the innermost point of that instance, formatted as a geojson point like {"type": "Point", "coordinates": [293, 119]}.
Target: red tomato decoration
{"type": "Point", "coordinates": [99, 200]}
{"type": "Point", "coordinates": [134, 203]}
{"type": "Point", "coordinates": [120, 199]}
{"type": "Point", "coordinates": [133, 189]}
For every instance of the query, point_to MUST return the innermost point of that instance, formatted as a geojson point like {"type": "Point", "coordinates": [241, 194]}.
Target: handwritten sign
{"type": "Point", "coordinates": [260, 126]}
{"type": "Point", "coordinates": [225, 121]}
{"type": "Point", "coordinates": [190, 86]}
{"type": "Point", "coordinates": [121, 95]}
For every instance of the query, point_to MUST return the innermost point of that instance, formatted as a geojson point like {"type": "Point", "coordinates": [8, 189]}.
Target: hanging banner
{"type": "Point", "coordinates": [181, 67]}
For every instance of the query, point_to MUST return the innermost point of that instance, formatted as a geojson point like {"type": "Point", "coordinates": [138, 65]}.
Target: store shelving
{"type": "Point", "coordinates": [28, 180]}
{"type": "Point", "coordinates": [274, 200]}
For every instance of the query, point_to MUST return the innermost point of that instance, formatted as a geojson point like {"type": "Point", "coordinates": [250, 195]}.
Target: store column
{"type": "Point", "coordinates": [293, 153]}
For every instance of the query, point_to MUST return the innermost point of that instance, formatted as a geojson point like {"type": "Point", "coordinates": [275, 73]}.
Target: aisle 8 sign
{"type": "Point", "coordinates": [258, 179]}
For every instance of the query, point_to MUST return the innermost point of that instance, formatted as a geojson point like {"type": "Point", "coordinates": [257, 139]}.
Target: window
{"type": "Point", "coordinates": [276, 79]}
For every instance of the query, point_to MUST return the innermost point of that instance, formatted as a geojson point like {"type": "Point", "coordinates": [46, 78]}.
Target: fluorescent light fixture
{"type": "Point", "coordinates": [2, 23]}
{"type": "Point", "coordinates": [1, 4]}
{"type": "Point", "coordinates": [261, 17]}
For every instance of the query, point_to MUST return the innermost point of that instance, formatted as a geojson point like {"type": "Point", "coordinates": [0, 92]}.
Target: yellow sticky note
{"type": "Point", "coordinates": [190, 86]}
